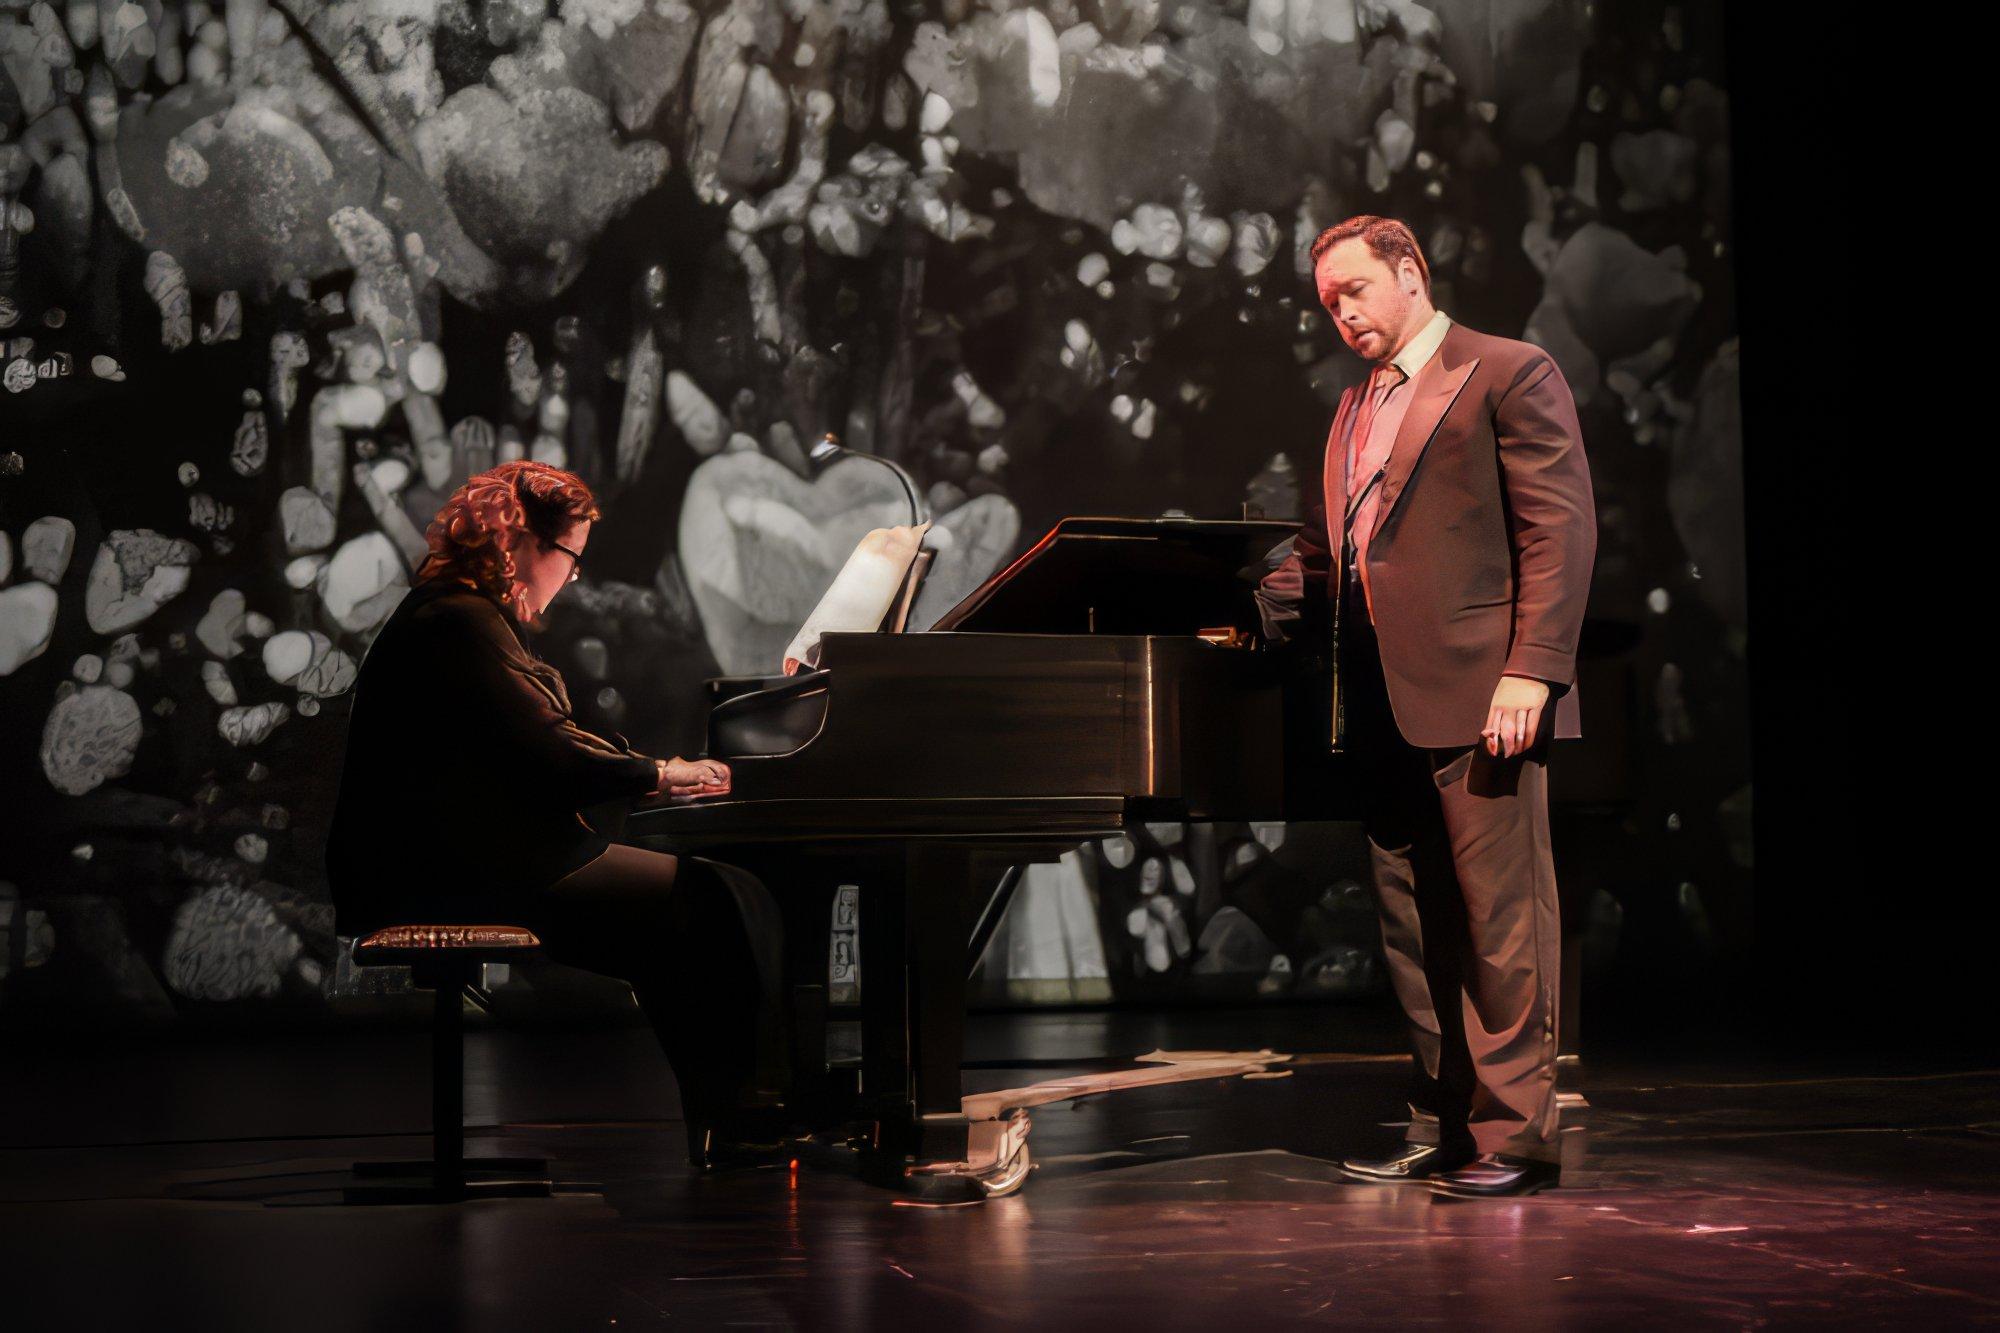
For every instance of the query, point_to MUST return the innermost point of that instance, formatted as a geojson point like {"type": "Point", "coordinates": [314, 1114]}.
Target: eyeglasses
{"type": "Point", "coordinates": [575, 561]}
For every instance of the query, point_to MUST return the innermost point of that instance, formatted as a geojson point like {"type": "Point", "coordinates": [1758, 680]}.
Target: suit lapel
{"type": "Point", "coordinates": [1333, 475]}
{"type": "Point", "coordinates": [1435, 390]}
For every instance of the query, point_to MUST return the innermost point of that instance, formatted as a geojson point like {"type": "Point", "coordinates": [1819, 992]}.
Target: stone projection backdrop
{"type": "Point", "coordinates": [277, 275]}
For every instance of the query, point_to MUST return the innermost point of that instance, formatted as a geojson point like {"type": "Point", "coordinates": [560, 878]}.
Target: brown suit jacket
{"type": "Point", "coordinates": [465, 771]}
{"type": "Point", "coordinates": [1481, 554]}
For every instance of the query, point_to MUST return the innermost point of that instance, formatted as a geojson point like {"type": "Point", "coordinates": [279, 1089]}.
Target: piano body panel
{"type": "Point", "coordinates": [1217, 720]}
{"type": "Point", "coordinates": [936, 715]}
{"type": "Point", "coordinates": [1188, 728]}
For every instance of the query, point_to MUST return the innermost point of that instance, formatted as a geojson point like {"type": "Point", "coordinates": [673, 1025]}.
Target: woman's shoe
{"type": "Point", "coordinates": [712, 1151]}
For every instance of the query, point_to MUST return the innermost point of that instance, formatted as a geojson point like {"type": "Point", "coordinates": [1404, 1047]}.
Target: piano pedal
{"type": "Point", "coordinates": [997, 1161]}
{"type": "Point", "coordinates": [1013, 1174]}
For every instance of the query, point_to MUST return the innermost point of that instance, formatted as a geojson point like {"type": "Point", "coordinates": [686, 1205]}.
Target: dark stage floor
{"type": "Point", "coordinates": [134, 1177]}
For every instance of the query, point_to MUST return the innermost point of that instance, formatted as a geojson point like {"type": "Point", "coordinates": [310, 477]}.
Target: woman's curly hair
{"type": "Point", "coordinates": [476, 533]}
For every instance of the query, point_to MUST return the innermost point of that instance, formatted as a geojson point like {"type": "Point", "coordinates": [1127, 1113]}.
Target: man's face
{"type": "Point", "coordinates": [1369, 301]}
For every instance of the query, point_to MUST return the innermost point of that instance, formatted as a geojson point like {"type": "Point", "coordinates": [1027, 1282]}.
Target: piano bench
{"type": "Point", "coordinates": [445, 960]}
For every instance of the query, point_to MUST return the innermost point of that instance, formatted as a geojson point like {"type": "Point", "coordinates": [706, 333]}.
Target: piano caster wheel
{"type": "Point", "coordinates": [1010, 1177]}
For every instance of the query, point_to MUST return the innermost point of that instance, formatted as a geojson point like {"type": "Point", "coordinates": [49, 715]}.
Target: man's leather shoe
{"type": "Point", "coordinates": [1417, 1161]}
{"type": "Point", "coordinates": [1496, 1176]}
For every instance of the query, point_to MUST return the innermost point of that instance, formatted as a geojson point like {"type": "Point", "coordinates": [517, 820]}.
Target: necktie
{"type": "Point", "coordinates": [1364, 469]}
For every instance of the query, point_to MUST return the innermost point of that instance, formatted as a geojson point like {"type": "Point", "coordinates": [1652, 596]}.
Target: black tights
{"type": "Point", "coordinates": [699, 942]}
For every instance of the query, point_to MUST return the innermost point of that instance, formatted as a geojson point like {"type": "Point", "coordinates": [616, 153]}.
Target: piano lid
{"type": "Point", "coordinates": [1126, 576]}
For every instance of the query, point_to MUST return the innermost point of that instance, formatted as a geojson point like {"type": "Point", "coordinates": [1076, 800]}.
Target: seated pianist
{"type": "Point", "coordinates": [462, 796]}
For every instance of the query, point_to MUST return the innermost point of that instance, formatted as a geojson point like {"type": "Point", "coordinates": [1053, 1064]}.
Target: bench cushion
{"type": "Point", "coordinates": [412, 943]}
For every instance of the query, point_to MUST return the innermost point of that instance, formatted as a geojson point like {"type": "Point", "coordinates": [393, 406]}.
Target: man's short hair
{"type": "Point", "coordinates": [1389, 240]}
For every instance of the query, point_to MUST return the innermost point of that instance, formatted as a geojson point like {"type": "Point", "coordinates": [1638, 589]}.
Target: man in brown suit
{"type": "Point", "coordinates": [1451, 548]}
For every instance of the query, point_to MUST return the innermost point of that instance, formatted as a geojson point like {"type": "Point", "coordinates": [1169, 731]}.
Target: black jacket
{"type": "Point", "coordinates": [464, 774]}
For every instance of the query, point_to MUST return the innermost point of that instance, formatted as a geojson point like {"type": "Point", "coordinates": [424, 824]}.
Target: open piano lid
{"type": "Point", "coordinates": [1127, 576]}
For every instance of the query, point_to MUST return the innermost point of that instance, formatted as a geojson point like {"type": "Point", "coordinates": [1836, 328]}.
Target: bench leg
{"type": "Point", "coordinates": [447, 1087]}
{"type": "Point", "coordinates": [451, 1177]}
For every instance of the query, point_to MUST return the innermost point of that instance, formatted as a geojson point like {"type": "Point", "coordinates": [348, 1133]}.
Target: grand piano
{"type": "Point", "coordinates": [1102, 679]}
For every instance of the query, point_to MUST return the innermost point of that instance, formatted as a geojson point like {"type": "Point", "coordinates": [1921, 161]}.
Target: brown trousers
{"type": "Point", "coordinates": [1466, 889]}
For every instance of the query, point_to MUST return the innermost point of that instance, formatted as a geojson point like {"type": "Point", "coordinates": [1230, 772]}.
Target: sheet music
{"type": "Point", "coordinates": [899, 613]}
{"type": "Point", "coordinates": [862, 593]}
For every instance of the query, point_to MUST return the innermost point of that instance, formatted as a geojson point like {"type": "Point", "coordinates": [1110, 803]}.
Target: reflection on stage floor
{"type": "Point", "coordinates": [181, 1183]}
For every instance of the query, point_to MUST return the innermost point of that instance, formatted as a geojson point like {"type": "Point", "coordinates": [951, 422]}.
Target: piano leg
{"type": "Point", "coordinates": [885, 1002]}
{"type": "Point", "coordinates": [913, 990]}
{"type": "Point", "coordinates": [956, 1155]}
{"type": "Point", "coordinates": [913, 941]}
{"type": "Point", "coordinates": [808, 933]}
{"type": "Point", "coordinates": [936, 883]}
{"type": "Point", "coordinates": [914, 899]}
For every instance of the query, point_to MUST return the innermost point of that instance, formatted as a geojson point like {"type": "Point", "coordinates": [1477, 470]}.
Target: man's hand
{"type": "Point", "coordinates": [1515, 717]}
{"type": "Point", "coordinates": [691, 777]}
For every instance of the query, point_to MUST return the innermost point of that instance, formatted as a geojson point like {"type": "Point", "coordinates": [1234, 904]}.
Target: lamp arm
{"type": "Point", "coordinates": [830, 448]}
{"type": "Point", "coordinates": [909, 487]}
